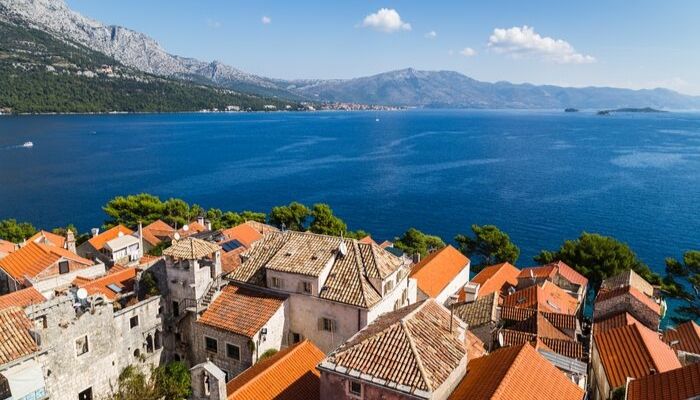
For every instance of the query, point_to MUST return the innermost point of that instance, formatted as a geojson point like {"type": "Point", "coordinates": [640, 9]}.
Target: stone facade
{"type": "Point", "coordinates": [627, 302]}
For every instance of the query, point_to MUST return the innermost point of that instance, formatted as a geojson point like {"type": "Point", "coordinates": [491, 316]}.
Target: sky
{"type": "Point", "coordinates": [640, 44]}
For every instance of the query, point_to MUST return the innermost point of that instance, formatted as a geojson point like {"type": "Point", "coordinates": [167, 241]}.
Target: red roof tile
{"type": "Point", "coordinates": [436, 271]}
{"type": "Point", "coordinates": [545, 271]}
{"type": "Point", "coordinates": [241, 310]}
{"type": "Point", "coordinates": [99, 241]}
{"type": "Point", "coordinates": [678, 384]}
{"type": "Point", "coordinates": [244, 234]}
{"type": "Point", "coordinates": [685, 337]}
{"type": "Point", "coordinates": [15, 340]}
{"type": "Point", "coordinates": [21, 298]}
{"type": "Point", "coordinates": [123, 279]}
{"type": "Point", "coordinates": [48, 238]}
{"type": "Point", "coordinates": [496, 278]}
{"type": "Point", "coordinates": [477, 348]}
{"type": "Point", "coordinates": [548, 297]}
{"type": "Point", "coordinates": [33, 258]}
{"type": "Point", "coordinates": [7, 247]}
{"type": "Point", "coordinates": [153, 232]}
{"type": "Point", "coordinates": [633, 351]}
{"type": "Point", "coordinates": [615, 321]}
{"type": "Point", "coordinates": [571, 274]}
{"type": "Point", "coordinates": [290, 374]}
{"type": "Point", "coordinates": [515, 373]}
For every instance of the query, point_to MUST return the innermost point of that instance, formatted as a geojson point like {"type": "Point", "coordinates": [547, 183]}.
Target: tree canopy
{"type": "Point", "coordinates": [489, 246]}
{"type": "Point", "coordinates": [293, 216]}
{"type": "Point", "coordinates": [14, 231]}
{"type": "Point", "coordinates": [325, 222]}
{"type": "Point", "coordinates": [414, 242]}
{"type": "Point", "coordinates": [171, 381]}
{"type": "Point", "coordinates": [598, 257]}
{"type": "Point", "coordinates": [682, 282]}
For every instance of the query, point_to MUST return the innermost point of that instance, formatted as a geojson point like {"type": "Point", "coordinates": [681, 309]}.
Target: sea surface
{"type": "Point", "coordinates": [543, 177]}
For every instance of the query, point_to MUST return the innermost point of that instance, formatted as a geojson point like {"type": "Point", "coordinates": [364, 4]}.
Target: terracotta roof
{"type": "Point", "coordinates": [628, 278]}
{"type": "Point", "coordinates": [687, 335]}
{"type": "Point", "coordinates": [515, 373]}
{"type": "Point", "coordinates": [33, 258]}
{"type": "Point", "coordinates": [241, 310]}
{"type": "Point", "coordinates": [290, 374]}
{"type": "Point", "coordinates": [548, 297]}
{"type": "Point", "coordinates": [477, 348]}
{"type": "Point", "coordinates": [621, 291]}
{"type": "Point", "coordinates": [615, 321]}
{"type": "Point", "coordinates": [244, 233]}
{"type": "Point", "coordinates": [123, 279]}
{"type": "Point", "coordinates": [479, 312]}
{"type": "Point", "coordinates": [153, 232]}
{"type": "Point", "coordinates": [539, 327]}
{"type": "Point", "coordinates": [15, 340]}
{"type": "Point", "coordinates": [678, 384]}
{"type": "Point", "coordinates": [48, 238]}
{"type": "Point", "coordinates": [191, 249]}
{"type": "Point", "coordinates": [496, 278]}
{"type": "Point", "coordinates": [411, 347]}
{"type": "Point", "coordinates": [100, 240]}
{"type": "Point", "coordinates": [21, 298]}
{"type": "Point", "coordinates": [571, 274]}
{"type": "Point", "coordinates": [260, 227]}
{"type": "Point", "coordinates": [436, 271]}
{"type": "Point", "coordinates": [7, 247]}
{"type": "Point", "coordinates": [633, 351]}
{"type": "Point", "coordinates": [230, 260]}
{"type": "Point", "coordinates": [308, 254]}
{"type": "Point", "coordinates": [386, 244]}
{"type": "Point", "coordinates": [546, 271]}
{"type": "Point", "coordinates": [367, 240]}
{"type": "Point", "coordinates": [561, 321]}
{"type": "Point", "coordinates": [193, 227]}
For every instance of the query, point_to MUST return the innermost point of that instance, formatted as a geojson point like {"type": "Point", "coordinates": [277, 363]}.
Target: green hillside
{"type": "Point", "coordinates": [40, 73]}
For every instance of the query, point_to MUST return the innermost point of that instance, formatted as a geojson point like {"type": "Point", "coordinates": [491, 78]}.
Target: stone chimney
{"type": "Point", "coordinates": [70, 241]}
{"type": "Point", "coordinates": [201, 221]}
{"type": "Point", "coordinates": [95, 231]}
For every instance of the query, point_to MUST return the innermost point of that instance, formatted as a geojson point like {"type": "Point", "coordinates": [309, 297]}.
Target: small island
{"type": "Point", "coordinates": [631, 110]}
{"type": "Point", "coordinates": [571, 110]}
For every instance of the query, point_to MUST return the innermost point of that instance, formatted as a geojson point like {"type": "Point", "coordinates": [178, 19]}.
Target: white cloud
{"type": "Point", "coordinates": [266, 20]}
{"type": "Point", "coordinates": [524, 41]}
{"type": "Point", "coordinates": [467, 52]}
{"type": "Point", "coordinates": [431, 35]}
{"type": "Point", "coordinates": [213, 24]}
{"type": "Point", "coordinates": [386, 20]}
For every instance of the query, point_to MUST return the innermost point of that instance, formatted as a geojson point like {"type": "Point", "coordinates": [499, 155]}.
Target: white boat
{"type": "Point", "coordinates": [28, 144]}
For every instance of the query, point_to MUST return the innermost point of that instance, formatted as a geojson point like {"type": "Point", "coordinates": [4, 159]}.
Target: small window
{"type": "Point", "coordinates": [85, 394]}
{"type": "Point", "coordinates": [296, 337]}
{"type": "Point", "coordinates": [355, 389]}
{"type": "Point", "coordinates": [176, 308]}
{"type": "Point", "coordinates": [306, 287]}
{"type": "Point", "coordinates": [63, 267]}
{"type": "Point", "coordinates": [233, 351]}
{"type": "Point", "coordinates": [327, 325]}
{"type": "Point", "coordinates": [388, 286]}
{"type": "Point", "coordinates": [211, 344]}
{"type": "Point", "coordinates": [134, 321]}
{"type": "Point", "coordinates": [81, 345]}
{"type": "Point", "coordinates": [41, 322]}
{"type": "Point", "coordinates": [276, 282]}
{"type": "Point", "coordinates": [160, 310]}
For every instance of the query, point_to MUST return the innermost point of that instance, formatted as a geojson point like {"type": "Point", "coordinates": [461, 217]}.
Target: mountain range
{"type": "Point", "coordinates": [406, 87]}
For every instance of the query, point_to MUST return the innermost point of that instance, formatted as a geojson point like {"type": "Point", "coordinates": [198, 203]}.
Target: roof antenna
{"type": "Point", "coordinates": [343, 248]}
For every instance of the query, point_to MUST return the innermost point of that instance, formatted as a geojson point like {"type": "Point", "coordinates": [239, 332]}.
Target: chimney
{"type": "Point", "coordinates": [70, 241]}
{"type": "Point", "coordinates": [471, 291]}
{"type": "Point", "coordinates": [140, 240]}
{"type": "Point", "coordinates": [207, 223]}
{"type": "Point", "coordinates": [95, 231]}
{"type": "Point", "coordinates": [201, 220]}
{"type": "Point", "coordinates": [416, 258]}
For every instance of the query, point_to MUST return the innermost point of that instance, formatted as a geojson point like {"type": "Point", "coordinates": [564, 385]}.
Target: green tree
{"type": "Point", "coordinates": [325, 222]}
{"type": "Point", "coordinates": [489, 246]}
{"type": "Point", "coordinates": [80, 238]}
{"type": "Point", "coordinates": [14, 231]}
{"type": "Point", "coordinates": [132, 209]}
{"type": "Point", "coordinates": [175, 212]}
{"type": "Point", "coordinates": [267, 354]}
{"type": "Point", "coordinates": [173, 381]}
{"type": "Point", "coordinates": [230, 219]}
{"type": "Point", "coordinates": [292, 216]}
{"type": "Point", "coordinates": [682, 282]}
{"type": "Point", "coordinates": [414, 242]}
{"type": "Point", "coordinates": [132, 385]}
{"type": "Point", "coordinates": [254, 216]}
{"type": "Point", "coordinates": [598, 257]}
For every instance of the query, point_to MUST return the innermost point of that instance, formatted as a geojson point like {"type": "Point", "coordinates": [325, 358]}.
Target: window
{"type": "Point", "coordinates": [211, 344]}
{"type": "Point", "coordinates": [327, 325]}
{"type": "Point", "coordinates": [160, 310]}
{"type": "Point", "coordinates": [134, 321]}
{"type": "Point", "coordinates": [306, 287]}
{"type": "Point", "coordinates": [388, 286]}
{"type": "Point", "coordinates": [296, 337]}
{"type": "Point", "coordinates": [85, 394]}
{"type": "Point", "coordinates": [41, 322]}
{"type": "Point", "coordinates": [176, 308]}
{"type": "Point", "coordinates": [355, 389]}
{"type": "Point", "coordinates": [233, 351]}
{"type": "Point", "coordinates": [81, 345]}
{"type": "Point", "coordinates": [404, 296]}
{"type": "Point", "coordinates": [63, 267]}
{"type": "Point", "coordinates": [276, 282]}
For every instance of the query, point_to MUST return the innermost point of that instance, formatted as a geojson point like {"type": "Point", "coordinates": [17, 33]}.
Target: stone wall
{"type": "Point", "coordinates": [630, 304]}
{"type": "Point", "coordinates": [334, 386]}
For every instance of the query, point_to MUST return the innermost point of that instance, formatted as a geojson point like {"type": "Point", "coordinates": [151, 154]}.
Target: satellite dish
{"type": "Point", "coordinates": [82, 294]}
{"type": "Point", "coordinates": [185, 227]}
{"type": "Point", "coordinates": [176, 236]}
{"type": "Point", "coordinates": [343, 248]}
{"type": "Point", "coordinates": [500, 339]}
{"type": "Point", "coordinates": [120, 234]}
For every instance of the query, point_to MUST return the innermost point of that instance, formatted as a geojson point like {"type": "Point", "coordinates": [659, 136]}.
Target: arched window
{"type": "Point", "coordinates": [149, 343]}
{"type": "Point", "coordinates": [205, 381]}
{"type": "Point", "coordinates": [157, 340]}
{"type": "Point", "coordinates": [137, 353]}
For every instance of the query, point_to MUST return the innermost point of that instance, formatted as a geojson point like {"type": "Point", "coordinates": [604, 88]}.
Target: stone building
{"type": "Point", "coordinates": [482, 317]}
{"type": "Point", "coordinates": [335, 286]}
{"type": "Point", "coordinates": [118, 245]}
{"type": "Point", "coordinates": [441, 274]}
{"type": "Point", "coordinates": [627, 299]}
{"type": "Point", "coordinates": [21, 376]}
{"type": "Point", "coordinates": [558, 273]}
{"type": "Point", "coordinates": [684, 339]}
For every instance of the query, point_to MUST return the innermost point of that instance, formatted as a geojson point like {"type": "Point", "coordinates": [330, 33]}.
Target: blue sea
{"type": "Point", "coordinates": [543, 177]}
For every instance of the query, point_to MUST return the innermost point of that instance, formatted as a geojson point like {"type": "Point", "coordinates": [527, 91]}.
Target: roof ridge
{"type": "Point", "coordinates": [289, 350]}
{"type": "Point", "coordinates": [510, 371]}
{"type": "Point", "coordinates": [414, 350]}
{"type": "Point", "coordinates": [359, 271]}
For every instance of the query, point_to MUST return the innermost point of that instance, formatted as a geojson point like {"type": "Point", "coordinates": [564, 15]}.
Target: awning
{"type": "Point", "coordinates": [26, 380]}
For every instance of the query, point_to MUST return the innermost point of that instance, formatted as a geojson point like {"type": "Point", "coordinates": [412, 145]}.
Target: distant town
{"type": "Point", "coordinates": [273, 308]}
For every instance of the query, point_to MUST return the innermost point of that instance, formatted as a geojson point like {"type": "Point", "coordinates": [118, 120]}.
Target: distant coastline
{"type": "Point", "coordinates": [631, 110]}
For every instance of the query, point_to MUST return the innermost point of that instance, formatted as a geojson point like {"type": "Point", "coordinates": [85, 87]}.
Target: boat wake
{"type": "Point", "coordinates": [25, 145]}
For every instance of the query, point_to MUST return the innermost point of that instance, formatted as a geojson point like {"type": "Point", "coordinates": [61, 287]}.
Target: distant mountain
{"type": "Point", "coordinates": [410, 87]}
{"type": "Point", "coordinates": [407, 87]}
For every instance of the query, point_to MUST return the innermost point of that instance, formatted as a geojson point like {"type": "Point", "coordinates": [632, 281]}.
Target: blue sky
{"type": "Point", "coordinates": [640, 44]}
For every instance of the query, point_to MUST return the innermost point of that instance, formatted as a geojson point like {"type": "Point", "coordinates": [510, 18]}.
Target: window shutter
{"type": "Point", "coordinates": [320, 324]}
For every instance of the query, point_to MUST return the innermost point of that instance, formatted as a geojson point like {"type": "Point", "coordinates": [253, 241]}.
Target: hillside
{"type": "Point", "coordinates": [41, 73]}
